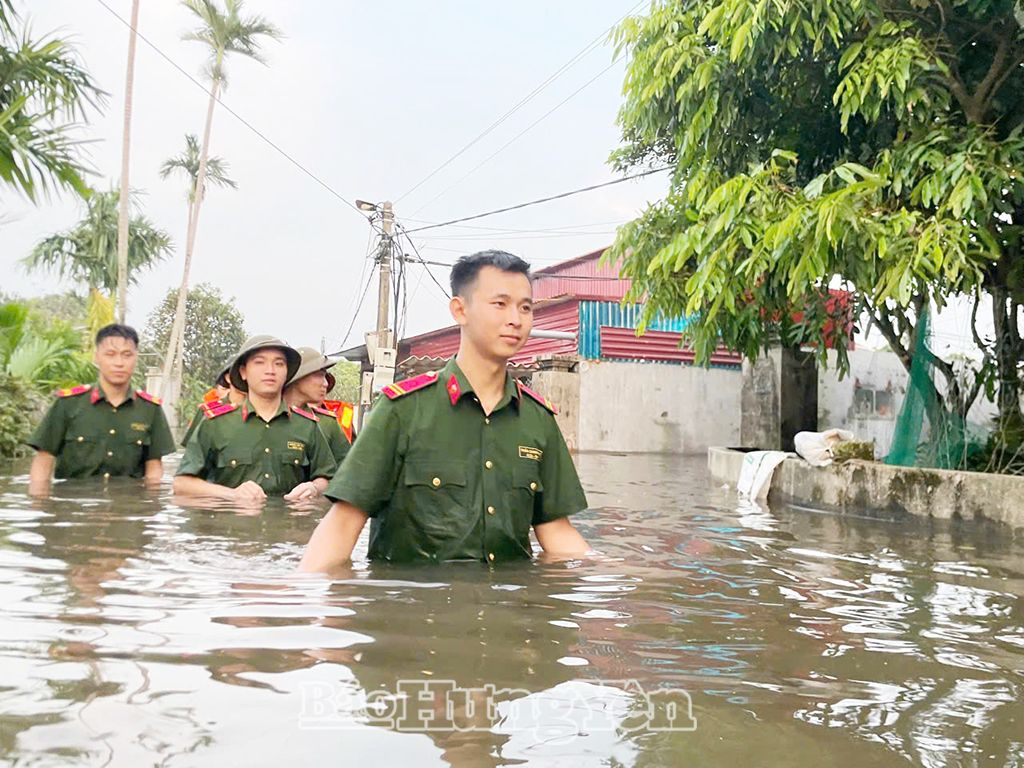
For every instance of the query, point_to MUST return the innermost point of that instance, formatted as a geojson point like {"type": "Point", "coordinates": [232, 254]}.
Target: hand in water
{"type": "Point", "coordinates": [302, 491]}
{"type": "Point", "coordinates": [249, 492]}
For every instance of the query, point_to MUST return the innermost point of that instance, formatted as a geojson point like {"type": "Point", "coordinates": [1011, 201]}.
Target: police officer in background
{"type": "Point", "coordinates": [308, 388]}
{"type": "Point", "coordinates": [221, 392]}
{"type": "Point", "coordinates": [104, 428]}
{"type": "Point", "coordinates": [263, 446]}
{"type": "Point", "coordinates": [459, 465]}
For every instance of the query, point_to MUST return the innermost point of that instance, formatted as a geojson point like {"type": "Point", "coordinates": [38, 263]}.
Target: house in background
{"type": "Point", "coordinates": [615, 391]}
{"type": "Point", "coordinates": [623, 393]}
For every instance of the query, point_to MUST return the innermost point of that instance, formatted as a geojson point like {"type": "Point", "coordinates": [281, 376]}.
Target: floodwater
{"type": "Point", "coordinates": [136, 632]}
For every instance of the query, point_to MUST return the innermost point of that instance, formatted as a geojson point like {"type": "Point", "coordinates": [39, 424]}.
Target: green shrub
{"type": "Point", "coordinates": [19, 410]}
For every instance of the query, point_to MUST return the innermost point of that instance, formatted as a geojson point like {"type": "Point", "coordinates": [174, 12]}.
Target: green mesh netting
{"type": "Point", "coordinates": [927, 434]}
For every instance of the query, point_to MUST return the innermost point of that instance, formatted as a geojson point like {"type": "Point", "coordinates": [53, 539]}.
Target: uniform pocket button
{"type": "Point", "coordinates": [436, 482]}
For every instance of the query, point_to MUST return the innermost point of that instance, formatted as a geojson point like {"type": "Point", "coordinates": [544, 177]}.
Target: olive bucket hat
{"type": "Point", "coordinates": [222, 375]}
{"type": "Point", "coordinates": [255, 343]}
{"type": "Point", "coordinates": [314, 360]}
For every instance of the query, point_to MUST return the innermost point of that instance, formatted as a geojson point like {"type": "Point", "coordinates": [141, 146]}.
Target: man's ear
{"type": "Point", "coordinates": [457, 306]}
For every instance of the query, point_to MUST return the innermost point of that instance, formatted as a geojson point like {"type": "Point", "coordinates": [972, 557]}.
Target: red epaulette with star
{"type": "Point", "coordinates": [322, 411]}
{"type": "Point", "coordinates": [148, 397]}
{"type": "Point", "coordinates": [305, 413]}
{"type": "Point", "coordinates": [72, 391]}
{"type": "Point", "coordinates": [405, 387]}
{"type": "Point", "coordinates": [213, 410]}
{"type": "Point", "coordinates": [538, 397]}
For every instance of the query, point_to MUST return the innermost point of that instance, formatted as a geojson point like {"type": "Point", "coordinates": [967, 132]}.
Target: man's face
{"type": "Point", "coordinates": [496, 315]}
{"type": "Point", "coordinates": [115, 357]}
{"type": "Point", "coordinates": [265, 371]}
{"type": "Point", "coordinates": [312, 387]}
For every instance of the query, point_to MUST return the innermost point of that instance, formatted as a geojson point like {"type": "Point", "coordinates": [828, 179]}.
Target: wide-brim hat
{"type": "Point", "coordinates": [222, 377]}
{"type": "Point", "coordinates": [255, 343]}
{"type": "Point", "coordinates": [314, 360]}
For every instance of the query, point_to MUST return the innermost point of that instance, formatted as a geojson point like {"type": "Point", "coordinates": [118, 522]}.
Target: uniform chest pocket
{"type": "Point", "coordinates": [81, 447]}
{"type": "Point", "coordinates": [447, 476]}
{"type": "Point", "coordinates": [440, 502]}
{"type": "Point", "coordinates": [524, 495]}
{"type": "Point", "coordinates": [294, 458]}
{"type": "Point", "coordinates": [526, 476]}
{"type": "Point", "coordinates": [233, 456]}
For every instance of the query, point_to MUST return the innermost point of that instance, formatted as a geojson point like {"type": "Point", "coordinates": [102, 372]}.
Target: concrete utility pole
{"type": "Point", "coordinates": [384, 261]}
{"type": "Point", "coordinates": [380, 343]}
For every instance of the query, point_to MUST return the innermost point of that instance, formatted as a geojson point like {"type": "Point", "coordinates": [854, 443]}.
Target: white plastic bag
{"type": "Point", "coordinates": [816, 447]}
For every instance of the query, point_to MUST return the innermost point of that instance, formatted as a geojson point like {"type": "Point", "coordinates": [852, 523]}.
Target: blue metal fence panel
{"type": "Point", "coordinates": [594, 314]}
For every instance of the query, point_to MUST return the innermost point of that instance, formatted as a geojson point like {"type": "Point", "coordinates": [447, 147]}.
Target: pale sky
{"type": "Point", "coordinates": [370, 97]}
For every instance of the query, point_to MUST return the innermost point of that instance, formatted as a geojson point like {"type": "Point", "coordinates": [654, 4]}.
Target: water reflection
{"type": "Point", "coordinates": [134, 630]}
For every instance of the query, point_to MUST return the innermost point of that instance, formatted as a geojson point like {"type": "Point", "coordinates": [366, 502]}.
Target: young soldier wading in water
{"type": "Point", "coordinates": [459, 464]}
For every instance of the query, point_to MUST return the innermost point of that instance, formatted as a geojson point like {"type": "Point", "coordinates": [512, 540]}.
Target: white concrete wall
{"type": "Point", "coordinates": [652, 408]}
{"type": "Point", "coordinates": [563, 389]}
{"type": "Point", "coordinates": [868, 400]}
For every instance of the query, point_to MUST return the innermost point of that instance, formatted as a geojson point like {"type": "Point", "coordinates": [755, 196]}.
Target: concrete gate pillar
{"type": "Point", "coordinates": [779, 398]}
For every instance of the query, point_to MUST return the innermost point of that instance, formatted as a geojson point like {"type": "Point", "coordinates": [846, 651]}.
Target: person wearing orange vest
{"type": "Point", "coordinates": [307, 389]}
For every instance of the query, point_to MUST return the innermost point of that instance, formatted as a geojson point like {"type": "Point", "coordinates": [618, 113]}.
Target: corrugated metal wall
{"type": "Point", "coordinates": [594, 314]}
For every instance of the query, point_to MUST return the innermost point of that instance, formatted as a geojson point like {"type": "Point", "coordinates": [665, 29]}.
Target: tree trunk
{"type": "Point", "coordinates": [177, 327]}
{"type": "Point", "coordinates": [1007, 354]}
{"type": "Point", "coordinates": [122, 211]}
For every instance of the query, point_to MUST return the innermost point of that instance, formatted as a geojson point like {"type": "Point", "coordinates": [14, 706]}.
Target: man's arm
{"type": "Point", "coordinates": [154, 472]}
{"type": "Point", "coordinates": [190, 485]}
{"type": "Point", "coordinates": [559, 537]}
{"type": "Point", "coordinates": [40, 473]}
{"type": "Point", "coordinates": [334, 539]}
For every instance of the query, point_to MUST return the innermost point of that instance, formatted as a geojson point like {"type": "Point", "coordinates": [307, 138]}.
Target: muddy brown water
{"type": "Point", "coordinates": [135, 631]}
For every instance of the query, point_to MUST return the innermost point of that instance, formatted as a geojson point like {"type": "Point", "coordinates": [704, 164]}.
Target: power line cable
{"type": "Point", "coordinates": [232, 112]}
{"type": "Point", "coordinates": [515, 138]}
{"type": "Point", "coordinates": [522, 102]}
{"type": "Point", "coordinates": [359, 306]}
{"type": "Point", "coordinates": [536, 202]}
{"type": "Point", "coordinates": [421, 260]}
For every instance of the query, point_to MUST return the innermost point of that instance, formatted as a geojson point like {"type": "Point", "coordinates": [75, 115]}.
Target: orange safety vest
{"type": "Point", "coordinates": [344, 413]}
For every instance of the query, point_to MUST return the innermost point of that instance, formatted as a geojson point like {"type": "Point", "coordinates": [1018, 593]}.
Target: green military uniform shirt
{"type": "Point", "coordinates": [233, 445]}
{"type": "Point", "coordinates": [442, 480]}
{"type": "Point", "coordinates": [89, 436]}
{"type": "Point", "coordinates": [336, 439]}
{"type": "Point", "coordinates": [199, 416]}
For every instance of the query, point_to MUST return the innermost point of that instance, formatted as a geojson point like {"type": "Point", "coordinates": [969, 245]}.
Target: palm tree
{"type": "Point", "coordinates": [216, 173]}
{"type": "Point", "coordinates": [223, 32]}
{"type": "Point", "coordinates": [87, 253]}
{"type": "Point", "coordinates": [126, 140]}
{"type": "Point", "coordinates": [44, 92]}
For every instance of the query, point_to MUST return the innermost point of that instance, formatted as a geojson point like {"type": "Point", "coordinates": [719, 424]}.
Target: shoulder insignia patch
{"type": "Point", "coordinates": [525, 390]}
{"type": "Point", "coordinates": [72, 391]}
{"type": "Point", "coordinates": [148, 397]}
{"type": "Point", "coordinates": [399, 388]}
{"type": "Point", "coordinates": [304, 413]}
{"type": "Point", "coordinates": [214, 410]}
{"type": "Point", "coordinates": [321, 410]}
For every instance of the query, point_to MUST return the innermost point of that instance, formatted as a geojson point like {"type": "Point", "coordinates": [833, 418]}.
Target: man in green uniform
{"type": "Point", "coordinates": [309, 387]}
{"type": "Point", "coordinates": [459, 465]}
{"type": "Point", "coordinates": [263, 446]}
{"type": "Point", "coordinates": [103, 428]}
{"type": "Point", "coordinates": [221, 393]}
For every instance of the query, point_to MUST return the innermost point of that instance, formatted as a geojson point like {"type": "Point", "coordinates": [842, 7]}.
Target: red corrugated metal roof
{"type": "Point", "coordinates": [623, 343]}
{"type": "Point", "coordinates": [582, 278]}
{"type": "Point", "coordinates": [557, 315]}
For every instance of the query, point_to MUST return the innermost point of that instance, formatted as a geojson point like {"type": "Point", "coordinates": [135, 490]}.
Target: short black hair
{"type": "Point", "coordinates": [116, 330]}
{"type": "Point", "coordinates": [468, 267]}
